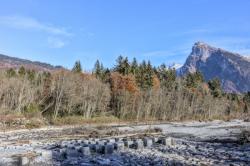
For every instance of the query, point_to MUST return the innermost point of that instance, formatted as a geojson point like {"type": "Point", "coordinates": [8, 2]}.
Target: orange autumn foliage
{"type": "Point", "coordinates": [120, 82]}
{"type": "Point", "coordinates": [156, 83]}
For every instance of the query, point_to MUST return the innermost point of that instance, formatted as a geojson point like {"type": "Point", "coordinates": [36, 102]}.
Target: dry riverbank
{"type": "Point", "coordinates": [195, 143]}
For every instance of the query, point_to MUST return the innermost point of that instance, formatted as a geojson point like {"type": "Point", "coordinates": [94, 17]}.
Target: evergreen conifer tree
{"type": "Point", "coordinates": [77, 67]}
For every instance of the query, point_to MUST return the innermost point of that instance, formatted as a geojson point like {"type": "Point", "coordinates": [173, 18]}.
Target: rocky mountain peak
{"type": "Point", "coordinates": [202, 50]}
{"type": "Point", "coordinates": [231, 68]}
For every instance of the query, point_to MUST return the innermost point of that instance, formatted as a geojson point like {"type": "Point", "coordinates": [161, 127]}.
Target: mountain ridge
{"type": "Point", "coordinates": [7, 62]}
{"type": "Point", "coordinates": [231, 68]}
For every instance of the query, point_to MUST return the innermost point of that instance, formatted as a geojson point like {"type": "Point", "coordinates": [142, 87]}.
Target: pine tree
{"type": "Point", "coordinates": [31, 75]}
{"type": "Point", "coordinates": [98, 69]}
{"type": "Point", "coordinates": [149, 75]}
{"type": "Point", "coordinates": [77, 67]}
{"type": "Point", "coordinates": [122, 65]}
{"type": "Point", "coordinates": [246, 100]}
{"type": "Point", "coordinates": [126, 66]}
{"type": "Point", "coordinates": [215, 87]}
{"type": "Point", "coordinates": [144, 76]}
{"type": "Point", "coordinates": [118, 66]}
{"type": "Point", "coordinates": [21, 71]}
{"type": "Point", "coordinates": [11, 72]}
{"type": "Point", "coordinates": [199, 77]}
{"type": "Point", "coordinates": [106, 76]}
{"type": "Point", "coordinates": [194, 79]}
{"type": "Point", "coordinates": [134, 67]}
{"type": "Point", "coordinates": [167, 76]}
{"type": "Point", "coordinates": [140, 74]}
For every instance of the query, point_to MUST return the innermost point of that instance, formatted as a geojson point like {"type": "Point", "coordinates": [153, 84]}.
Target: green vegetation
{"type": "Point", "coordinates": [77, 67]}
{"type": "Point", "coordinates": [130, 91]}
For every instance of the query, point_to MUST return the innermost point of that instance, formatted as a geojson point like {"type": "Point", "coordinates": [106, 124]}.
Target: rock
{"type": "Point", "coordinates": [86, 164]}
{"type": "Point", "coordinates": [8, 161]}
{"type": "Point", "coordinates": [103, 162]}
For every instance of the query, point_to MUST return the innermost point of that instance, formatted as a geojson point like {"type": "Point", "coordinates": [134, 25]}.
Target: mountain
{"type": "Point", "coordinates": [231, 68]}
{"type": "Point", "coordinates": [175, 66]}
{"type": "Point", "coordinates": [7, 62]}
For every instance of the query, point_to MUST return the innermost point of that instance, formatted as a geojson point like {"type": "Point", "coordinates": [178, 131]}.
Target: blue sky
{"type": "Point", "coordinates": [63, 31]}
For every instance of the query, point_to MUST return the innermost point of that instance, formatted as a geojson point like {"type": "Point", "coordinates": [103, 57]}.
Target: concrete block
{"type": "Point", "coordinates": [128, 143]}
{"type": "Point", "coordinates": [92, 147]}
{"type": "Point", "coordinates": [71, 146]}
{"type": "Point", "coordinates": [24, 161]}
{"type": "Point", "coordinates": [79, 141]}
{"type": "Point", "coordinates": [147, 142]}
{"type": "Point", "coordinates": [138, 144]}
{"type": "Point", "coordinates": [91, 142]}
{"type": "Point", "coordinates": [47, 155]}
{"type": "Point", "coordinates": [168, 141]}
{"type": "Point", "coordinates": [72, 153]}
{"type": "Point", "coordinates": [95, 139]}
{"type": "Point", "coordinates": [73, 142]}
{"type": "Point", "coordinates": [111, 140]}
{"type": "Point", "coordinates": [64, 144]}
{"type": "Point", "coordinates": [118, 139]}
{"type": "Point", "coordinates": [85, 150]}
{"type": "Point", "coordinates": [63, 152]}
{"type": "Point", "coordinates": [99, 148]}
{"type": "Point", "coordinates": [85, 142]}
{"type": "Point", "coordinates": [78, 148]}
{"type": "Point", "coordinates": [109, 148]}
{"type": "Point", "coordinates": [155, 140]}
{"type": "Point", "coordinates": [101, 142]}
{"type": "Point", "coordinates": [119, 145]}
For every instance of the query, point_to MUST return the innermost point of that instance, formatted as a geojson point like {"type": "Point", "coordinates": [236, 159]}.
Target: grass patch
{"type": "Point", "coordinates": [34, 123]}
{"type": "Point", "coordinates": [76, 120]}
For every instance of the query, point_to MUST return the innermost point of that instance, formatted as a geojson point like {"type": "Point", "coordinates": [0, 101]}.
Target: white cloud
{"type": "Point", "coordinates": [55, 42]}
{"type": "Point", "coordinates": [21, 22]}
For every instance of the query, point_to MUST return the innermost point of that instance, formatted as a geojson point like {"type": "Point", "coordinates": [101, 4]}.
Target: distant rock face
{"type": "Point", "coordinates": [7, 62]}
{"type": "Point", "coordinates": [175, 66]}
{"type": "Point", "coordinates": [232, 69]}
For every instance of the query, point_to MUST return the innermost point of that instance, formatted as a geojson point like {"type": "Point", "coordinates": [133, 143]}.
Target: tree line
{"type": "Point", "coordinates": [128, 91]}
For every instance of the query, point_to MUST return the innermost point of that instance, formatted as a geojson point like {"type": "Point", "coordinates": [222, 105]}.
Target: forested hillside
{"type": "Point", "coordinates": [130, 91]}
